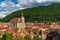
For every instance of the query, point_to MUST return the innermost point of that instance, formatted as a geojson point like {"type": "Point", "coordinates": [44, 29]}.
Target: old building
{"type": "Point", "coordinates": [18, 22]}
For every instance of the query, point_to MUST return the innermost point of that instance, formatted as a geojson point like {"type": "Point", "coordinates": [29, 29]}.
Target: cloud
{"type": "Point", "coordinates": [3, 13]}
{"type": "Point", "coordinates": [48, 0]}
{"type": "Point", "coordinates": [41, 1]}
{"type": "Point", "coordinates": [2, 4]}
{"type": "Point", "coordinates": [13, 5]}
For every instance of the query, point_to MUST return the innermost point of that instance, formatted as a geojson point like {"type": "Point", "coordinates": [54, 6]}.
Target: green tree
{"type": "Point", "coordinates": [36, 37]}
{"type": "Point", "coordinates": [7, 37]}
{"type": "Point", "coordinates": [19, 38]}
{"type": "Point", "coordinates": [0, 38]}
{"type": "Point", "coordinates": [27, 37]}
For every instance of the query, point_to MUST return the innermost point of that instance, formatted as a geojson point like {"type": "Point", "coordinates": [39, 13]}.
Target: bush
{"type": "Point", "coordinates": [27, 37]}
{"type": "Point", "coordinates": [7, 37]}
{"type": "Point", "coordinates": [20, 38]}
{"type": "Point", "coordinates": [36, 37]}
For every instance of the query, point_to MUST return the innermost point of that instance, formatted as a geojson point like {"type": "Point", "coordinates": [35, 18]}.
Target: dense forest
{"type": "Point", "coordinates": [41, 13]}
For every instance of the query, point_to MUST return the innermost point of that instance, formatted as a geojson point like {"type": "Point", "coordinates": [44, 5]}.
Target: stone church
{"type": "Point", "coordinates": [18, 22]}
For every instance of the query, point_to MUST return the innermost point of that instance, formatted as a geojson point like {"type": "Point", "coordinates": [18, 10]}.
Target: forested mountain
{"type": "Point", "coordinates": [41, 13]}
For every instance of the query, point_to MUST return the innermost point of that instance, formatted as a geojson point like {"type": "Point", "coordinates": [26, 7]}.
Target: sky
{"type": "Point", "coordinates": [9, 6]}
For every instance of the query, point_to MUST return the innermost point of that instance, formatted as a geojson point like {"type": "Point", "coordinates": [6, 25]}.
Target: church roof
{"type": "Point", "coordinates": [16, 20]}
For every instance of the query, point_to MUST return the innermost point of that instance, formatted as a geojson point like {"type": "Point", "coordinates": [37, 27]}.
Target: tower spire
{"type": "Point", "coordinates": [22, 20]}
{"type": "Point", "coordinates": [22, 15]}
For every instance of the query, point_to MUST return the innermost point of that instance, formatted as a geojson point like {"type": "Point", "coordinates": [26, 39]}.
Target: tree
{"type": "Point", "coordinates": [27, 37]}
{"type": "Point", "coordinates": [0, 38]}
{"type": "Point", "coordinates": [7, 37]}
{"type": "Point", "coordinates": [36, 37]}
{"type": "Point", "coordinates": [20, 38]}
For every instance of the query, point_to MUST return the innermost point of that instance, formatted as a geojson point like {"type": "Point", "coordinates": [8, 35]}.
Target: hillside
{"type": "Point", "coordinates": [42, 13]}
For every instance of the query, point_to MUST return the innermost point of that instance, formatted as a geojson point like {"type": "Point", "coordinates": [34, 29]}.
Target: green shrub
{"type": "Point", "coordinates": [36, 37]}
{"type": "Point", "coordinates": [7, 37]}
{"type": "Point", "coordinates": [27, 37]}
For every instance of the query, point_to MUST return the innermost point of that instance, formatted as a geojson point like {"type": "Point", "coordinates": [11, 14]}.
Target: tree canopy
{"type": "Point", "coordinates": [41, 13]}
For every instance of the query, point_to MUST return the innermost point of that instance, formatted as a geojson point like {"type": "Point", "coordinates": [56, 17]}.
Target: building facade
{"type": "Point", "coordinates": [18, 22]}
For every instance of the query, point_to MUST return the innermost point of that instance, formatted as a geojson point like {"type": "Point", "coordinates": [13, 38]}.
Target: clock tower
{"type": "Point", "coordinates": [23, 20]}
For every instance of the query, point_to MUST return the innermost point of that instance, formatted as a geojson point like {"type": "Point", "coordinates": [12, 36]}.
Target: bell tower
{"type": "Point", "coordinates": [23, 20]}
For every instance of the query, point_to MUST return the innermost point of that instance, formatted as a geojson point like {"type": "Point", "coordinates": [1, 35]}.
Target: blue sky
{"type": "Point", "coordinates": [8, 6]}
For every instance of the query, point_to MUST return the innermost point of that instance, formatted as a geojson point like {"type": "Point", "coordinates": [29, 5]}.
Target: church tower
{"type": "Point", "coordinates": [23, 20]}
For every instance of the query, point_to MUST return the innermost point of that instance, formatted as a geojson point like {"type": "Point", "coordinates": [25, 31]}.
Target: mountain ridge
{"type": "Point", "coordinates": [41, 13]}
